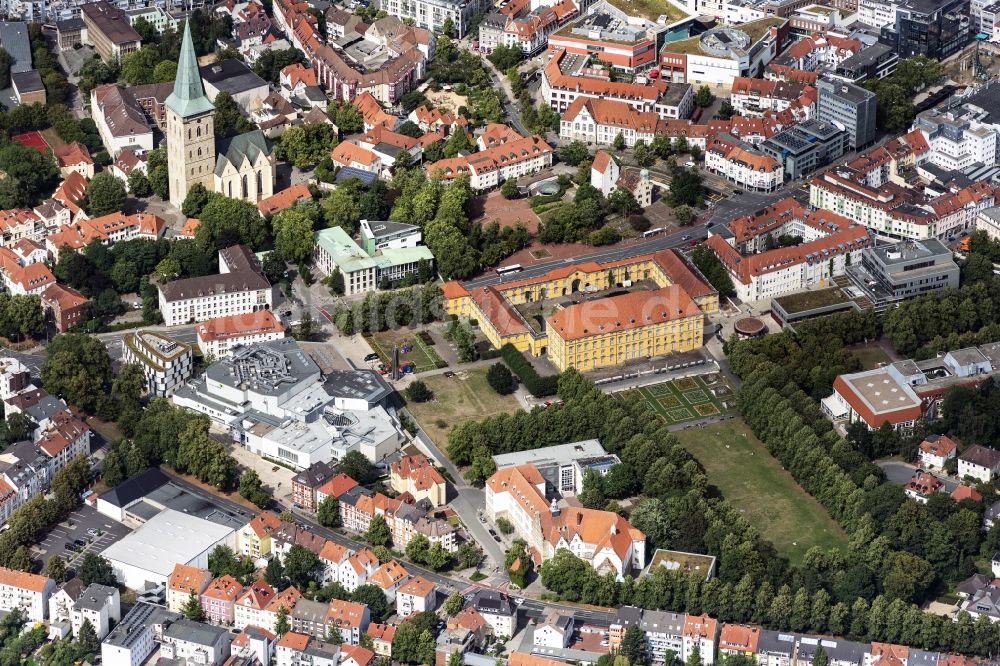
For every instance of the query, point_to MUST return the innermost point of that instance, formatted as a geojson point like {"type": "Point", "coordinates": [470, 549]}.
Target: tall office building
{"type": "Point", "coordinates": [848, 105]}
{"type": "Point", "coordinates": [933, 28]}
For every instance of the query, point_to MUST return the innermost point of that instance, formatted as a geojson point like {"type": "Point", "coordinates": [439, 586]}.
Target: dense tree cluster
{"type": "Point", "coordinates": [538, 385]}
{"type": "Point", "coordinates": [950, 319]}
{"type": "Point", "coordinates": [305, 146]}
{"type": "Point", "coordinates": [162, 433]}
{"type": "Point", "coordinates": [21, 316]}
{"type": "Point", "coordinates": [228, 120]}
{"type": "Point", "coordinates": [271, 62]}
{"type": "Point", "coordinates": [380, 311]}
{"type": "Point", "coordinates": [895, 93]}
{"type": "Point", "coordinates": [252, 489]}
{"type": "Point", "coordinates": [102, 274]}
{"type": "Point", "coordinates": [31, 175]}
{"type": "Point", "coordinates": [582, 219]}
{"type": "Point", "coordinates": [706, 261]}
{"type": "Point", "coordinates": [44, 60]}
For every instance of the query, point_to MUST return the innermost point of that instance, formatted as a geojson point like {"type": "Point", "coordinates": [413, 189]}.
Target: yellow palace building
{"type": "Point", "coordinates": [600, 332]}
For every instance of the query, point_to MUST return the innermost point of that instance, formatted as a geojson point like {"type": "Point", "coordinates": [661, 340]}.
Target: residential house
{"type": "Point", "coordinates": [305, 483]}
{"type": "Point", "coordinates": [26, 591]}
{"type": "Point", "coordinates": [355, 655]}
{"type": "Point", "coordinates": [497, 609]}
{"type": "Point", "coordinates": [183, 582]}
{"type": "Point", "coordinates": [554, 631]}
{"type": "Point", "coordinates": [194, 643]}
{"type": "Point", "coordinates": [295, 649]}
{"type": "Point", "coordinates": [251, 605]}
{"type": "Point", "coordinates": [922, 486]}
{"type": "Point", "coordinates": [416, 475]}
{"type": "Point", "coordinates": [979, 462]}
{"type": "Point", "coordinates": [351, 620]}
{"type": "Point", "coordinates": [382, 635]}
{"type": "Point", "coordinates": [416, 595]}
{"type": "Point", "coordinates": [254, 538]}
{"type": "Point", "coordinates": [389, 578]}
{"type": "Point", "coordinates": [936, 450]}
{"type": "Point", "coordinates": [219, 599]}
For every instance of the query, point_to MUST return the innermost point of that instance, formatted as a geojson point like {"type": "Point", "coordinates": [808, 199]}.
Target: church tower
{"type": "Point", "coordinates": [190, 128]}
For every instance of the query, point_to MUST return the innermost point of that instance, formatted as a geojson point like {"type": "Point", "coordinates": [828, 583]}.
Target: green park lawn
{"type": "Point", "coordinates": [870, 355]}
{"type": "Point", "coordinates": [739, 465]}
{"type": "Point", "coordinates": [465, 397]}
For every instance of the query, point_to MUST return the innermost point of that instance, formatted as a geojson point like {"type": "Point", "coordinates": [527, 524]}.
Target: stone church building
{"type": "Point", "coordinates": [242, 168]}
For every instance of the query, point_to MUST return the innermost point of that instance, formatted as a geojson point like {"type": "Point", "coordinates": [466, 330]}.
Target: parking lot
{"type": "Point", "coordinates": [79, 526]}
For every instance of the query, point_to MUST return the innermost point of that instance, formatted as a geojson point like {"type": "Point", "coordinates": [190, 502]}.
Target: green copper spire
{"type": "Point", "coordinates": [188, 98]}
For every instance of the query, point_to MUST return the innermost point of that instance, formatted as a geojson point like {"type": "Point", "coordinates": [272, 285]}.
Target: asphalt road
{"type": "Point", "coordinates": [466, 500]}
{"type": "Point", "coordinates": [901, 472]}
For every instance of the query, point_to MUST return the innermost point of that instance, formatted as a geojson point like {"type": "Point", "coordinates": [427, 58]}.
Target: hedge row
{"type": "Point", "coordinates": [538, 385]}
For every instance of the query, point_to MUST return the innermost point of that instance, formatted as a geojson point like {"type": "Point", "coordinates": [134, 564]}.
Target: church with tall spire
{"type": "Point", "coordinates": [242, 167]}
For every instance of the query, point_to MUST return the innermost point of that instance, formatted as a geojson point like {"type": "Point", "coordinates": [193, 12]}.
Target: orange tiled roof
{"type": "Point", "coordinates": [294, 641]}
{"type": "Point", "coordinates": [186, 578]}
{"type": "Point", "coordinates": [417, 586]}
{"type": "Point", "coordinates": [621, 313]}
{"type": "Point", "coordinates": [23, 580]}
{"type": "Point", "coordinates": [71, 154]}
{"type": "Point", "coordinates": [233, 326]}
{"type": "Point", "coordinates": [224, 588]}
{"type": "Point", "coordinates": [337, 486]}
{"type": "Point", "coordinates": [346, 153]}
{"type": "Point", "coordinates": [286, 198]}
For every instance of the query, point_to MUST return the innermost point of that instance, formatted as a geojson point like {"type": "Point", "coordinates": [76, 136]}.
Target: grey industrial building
{"type": "Point", "coordinates": [892, 273]}
{"type": "Point", "coordinates": [848, 105]}
{"type": "Point", "coordinates": [805, 147]}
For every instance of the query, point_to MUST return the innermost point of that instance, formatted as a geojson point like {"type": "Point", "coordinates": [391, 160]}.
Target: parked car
{"type": "Point", "coordinates": [371, 357]}
{"type": "Point", "coordinates": [92, 532]}
{"type": "Point", "coordinates": [68, 546]}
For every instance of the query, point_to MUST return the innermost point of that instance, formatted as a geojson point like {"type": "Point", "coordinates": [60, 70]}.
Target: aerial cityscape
{"type": "Point", "coordinates": [500, 332]}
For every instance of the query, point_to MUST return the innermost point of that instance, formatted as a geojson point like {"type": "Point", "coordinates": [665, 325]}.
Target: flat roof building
{"type": "Point", "coordinates": [165, 362]}
{"type": "Point", "coordinates": [895, 272]}
{"type": "Point", "coordinates": [850, 106]}
{"type": "Point", "coordinates": [148, 555]}
{"type": "Point", "coordinates": [562, 465]}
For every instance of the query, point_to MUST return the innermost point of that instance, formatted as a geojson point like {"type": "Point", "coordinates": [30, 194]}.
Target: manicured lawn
{"type": "Point", "coordinates": [464, 397]}
{"type": "Point", "coordinates": [422, 357]}
{"type": "Point", "coordinates": [870, 355]}
{"type": "Point", "coordinates": [739, 465]}
{"type": "Point", "coordinates": [685, 399]}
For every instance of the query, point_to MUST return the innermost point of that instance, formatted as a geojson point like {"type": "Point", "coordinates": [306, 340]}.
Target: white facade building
{"type": "Point", "coordinates": [165, 363]}
{"type": "Point", "coordinates": [101, 605]}
{"type": "Point", "coordinates": [219, 335]}
{"type": "Point", "coordinates": [239, 288]}
{"type": "Point", "coordinates": [28, 592]}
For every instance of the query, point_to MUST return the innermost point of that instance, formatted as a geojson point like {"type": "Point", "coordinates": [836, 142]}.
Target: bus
{"type": "Point", "coordinates": [652, 232]}
{"type": "Point", "coordinates": [509, 270]}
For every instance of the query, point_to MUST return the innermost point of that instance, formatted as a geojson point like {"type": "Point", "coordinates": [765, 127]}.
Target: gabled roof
{"type": "Point", "coordinates": [249, 146]}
